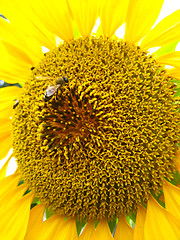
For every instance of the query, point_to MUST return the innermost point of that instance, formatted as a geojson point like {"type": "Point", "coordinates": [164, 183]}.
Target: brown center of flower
{"type": "Point", "coordinates": [96, 128]}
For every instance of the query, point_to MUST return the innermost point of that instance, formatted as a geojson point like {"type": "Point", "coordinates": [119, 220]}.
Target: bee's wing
{"type": "Point", "coordinates": [43, 78]}
{"type": "Point", "coordinates": [51, 90]}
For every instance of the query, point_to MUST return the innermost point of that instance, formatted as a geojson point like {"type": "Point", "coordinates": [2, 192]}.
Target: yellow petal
{"type": "Point", "coordinates": [16, 63]}
{"type": "Point", "coordinates": [172, 59]}
{"type": "Point", "coordinates": [159, 223]}
{"type": "Point", "coordinates": [5, 127]}
{"type": "Point", "coordinates": [178, 160]}
{"type": "Point", "coordinates": [12, 195]}
{"type": "Point", "coordinates": [18, 54]}
{"type": "Point", "coordinates": [9, 182]}
{"type": "Point", "coordinates": [5, 144]}
{"type": "Point", "coordinates": [54, 228]}
{"type": "Point", "coordinates": [140, 18]}
{"type": "Point", "coordinates": [9, 93]}
{"type": "Point", "coordinates": [55, 17]}
{"type": "Point", "coordinates": [85, 14]}
{"type": "Point", "coordinates": [8, 185]}
{"type": "Point", "coordinates": [8, 75]}
{"type": "Point", "coordinates": [36, 217]}
{"type": "Point", "coordinates": [5, 105]}
{"type": "Point", "coordinates": [4, 168]}
{"type": "Point", "coordinates": [14, 218]}
{"type": "Point", "coordinates": [88, 231]}
{"type": "Point", "coordinates": [31, 25]}
{"type": "Point", "coordinates": [6, 110]}
{"type": "Point", "coordinates": [69, 230]}
{"type": "Point", "coordinates": [10, 190]}
{"type": "Point", "coordinates": [172, 199]}
{"type": "Point", "coordinates": [123, 230]}
{"type": "Point", "coordinates": [102, 231]}
{"type": "Point", "coordinates": [113, 15]}
{"type": "Point", "coordinates": [139, 226]}
{"type": "Point", "coordinates": [174, 72]}
{"type": "Point", "coordinates": [19, 44]}
{"type": "Point", "coordinates": [4, 121]}
{"type": "Point", "coordinates": [10, 71]}
{"type": "Point", "coordinates": [166, 31]}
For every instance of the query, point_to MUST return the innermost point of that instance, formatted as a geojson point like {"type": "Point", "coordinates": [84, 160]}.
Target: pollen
{"type": "Point", "coordinates": [98, 145]}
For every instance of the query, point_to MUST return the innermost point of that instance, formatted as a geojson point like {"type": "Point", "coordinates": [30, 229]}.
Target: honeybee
{"type": "Point", "coordinates": [51, 90]}
{"type": "Point", "coordinates": [16, 103]}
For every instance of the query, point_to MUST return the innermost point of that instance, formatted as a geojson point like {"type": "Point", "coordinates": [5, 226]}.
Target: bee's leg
{"type": "Point", "coordinates": [56, 94]}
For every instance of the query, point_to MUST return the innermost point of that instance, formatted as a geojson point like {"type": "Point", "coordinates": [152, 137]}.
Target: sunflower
{"type": "Point", "coordinates": [93, 123]}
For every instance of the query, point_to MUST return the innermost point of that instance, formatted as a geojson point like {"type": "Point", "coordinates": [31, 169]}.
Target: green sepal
{"type": "Point", "coordinates": [157, 196]}
{"type": "Point", "coordinates": [96, 223]}
{"type": "Point", "coordinates": [49, 212]}
{"type": "Point", "coordinates": [80, 225]}
{"type": "Point", "coordinates": [20, 182]}
{"type": "Point", "coordinates": [112, 224]}
{"type": "Point", "coordinates": [131, 219]}
{"type": "Point", "coordinates": [27, 191]}
{"type": "Point", "coordinates": [36, 200]}
{"type": "Point", "coordinates": [132, 216]}
{"type": "Point", "coordinates": [33, 205]}
{"type": "Point", "coordinates": [176, 178]}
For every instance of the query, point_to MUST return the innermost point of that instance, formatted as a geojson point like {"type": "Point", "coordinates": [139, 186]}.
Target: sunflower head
{"type": "Point", "coordinates": [96, 128]}
{"type": "Point", "coordinates": [95, 120]}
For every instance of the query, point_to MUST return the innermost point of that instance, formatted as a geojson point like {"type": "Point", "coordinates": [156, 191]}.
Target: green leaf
{"type": "Point", "coordinates": [177, 82]}
{"type": "Point", "coordinates": [177, 94]}
{"type": "Point", "coordinates": [76, 31]}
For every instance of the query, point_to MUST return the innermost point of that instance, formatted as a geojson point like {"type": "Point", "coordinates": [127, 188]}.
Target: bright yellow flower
{"type": "Point", "coordinates": [95, 130]}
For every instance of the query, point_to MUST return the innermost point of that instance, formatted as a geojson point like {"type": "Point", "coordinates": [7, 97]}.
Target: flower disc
{"type": "Point", "coordinates": [97, 145]}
